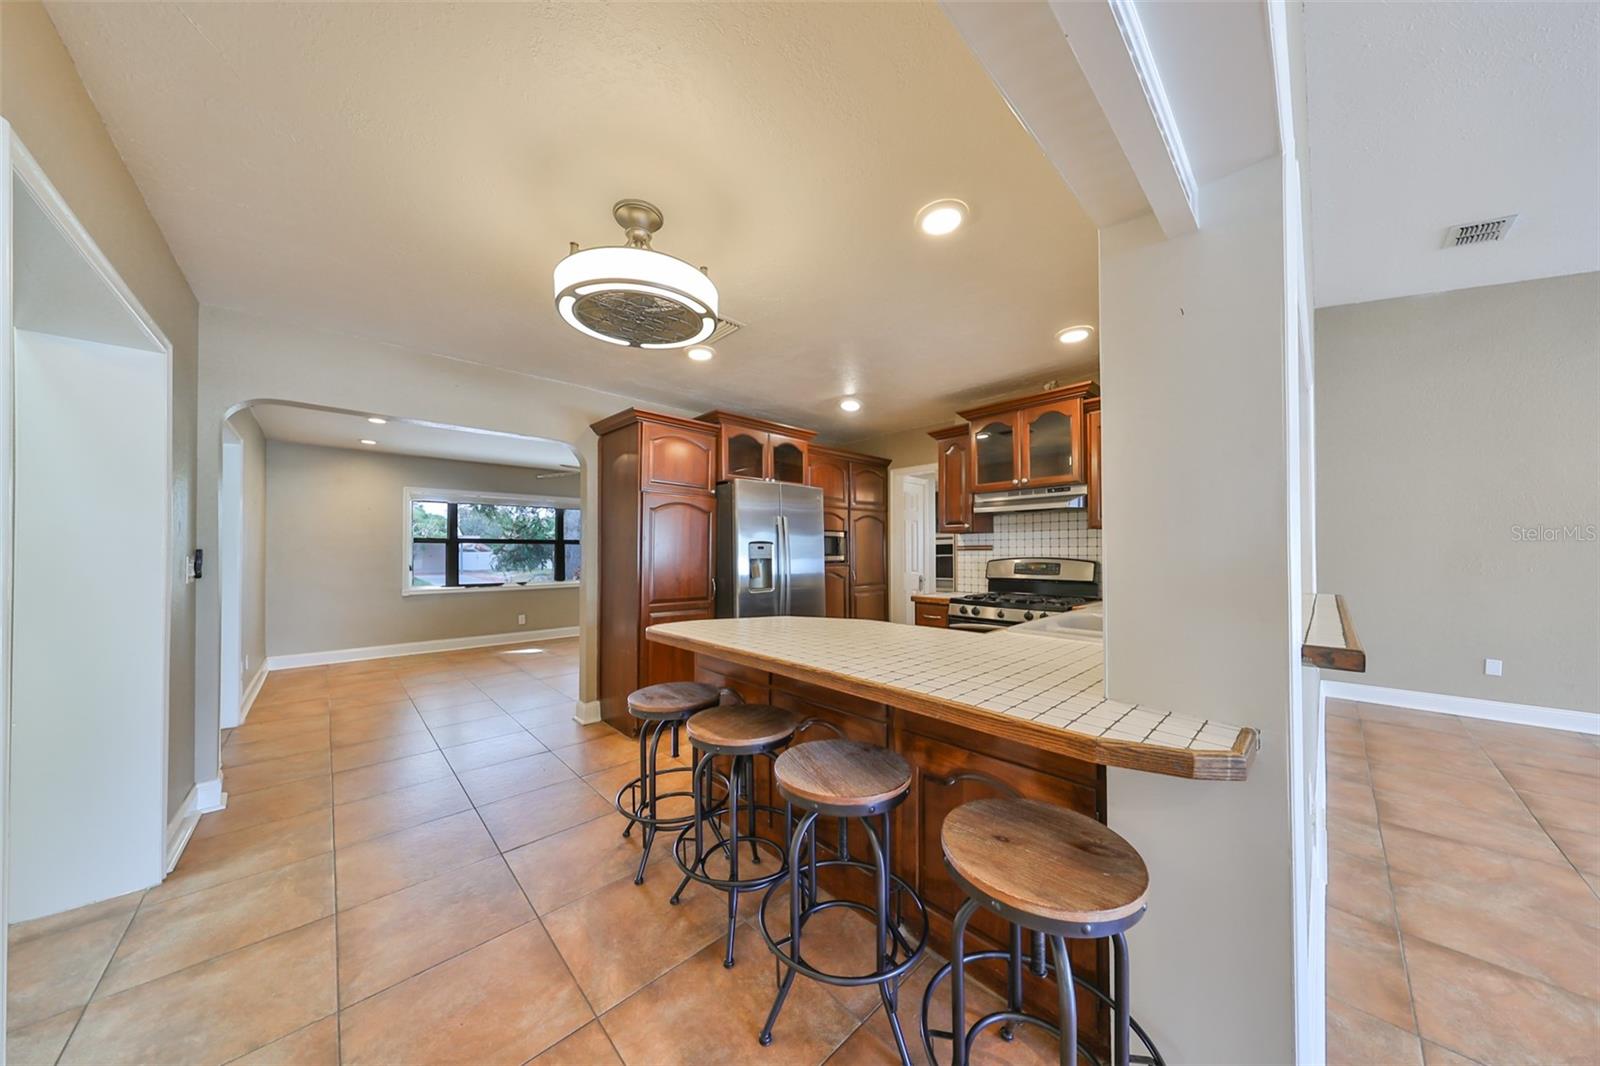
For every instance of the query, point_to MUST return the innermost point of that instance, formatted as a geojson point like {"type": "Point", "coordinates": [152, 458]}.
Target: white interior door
{"type": "Point", "coordinates": [917, 537]}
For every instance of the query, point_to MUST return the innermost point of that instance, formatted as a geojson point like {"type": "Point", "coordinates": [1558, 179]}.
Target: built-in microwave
{"type": "Point", "coordinates": [944, 562]}
{"type": "Point", "coordinates": [833, 546]}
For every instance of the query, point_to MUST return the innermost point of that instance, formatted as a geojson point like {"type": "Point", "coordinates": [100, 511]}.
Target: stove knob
{"type": "Point", "coordinates": [1027, 616]}
{"type": "Point", "coordinates": [999, 614]}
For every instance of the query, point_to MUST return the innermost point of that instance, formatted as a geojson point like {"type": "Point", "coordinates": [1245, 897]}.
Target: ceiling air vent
{"type": "Point", "coordinates": [1490, 229]}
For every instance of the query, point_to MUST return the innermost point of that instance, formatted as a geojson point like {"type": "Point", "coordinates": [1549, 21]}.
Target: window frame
{"type": "Point", "coordinates": [454, 498]}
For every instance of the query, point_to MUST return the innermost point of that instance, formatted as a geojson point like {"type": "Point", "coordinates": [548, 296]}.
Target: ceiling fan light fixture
{"type": "Point", "coordinates": [632, 295]}
{"type": "Point", "coordinates": [701, 353]}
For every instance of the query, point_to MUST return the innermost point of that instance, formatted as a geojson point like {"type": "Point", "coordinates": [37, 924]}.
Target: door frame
{"type": "Point", "coordinates": [230, 579]}
{"type": "Point", "coordinates": [901, 607]}
{"type": "Point", "coordinates": [26, 170]}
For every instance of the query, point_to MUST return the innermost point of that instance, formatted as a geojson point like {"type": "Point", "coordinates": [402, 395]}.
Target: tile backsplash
{"type": "Point", "coordinates": [1048, 533]}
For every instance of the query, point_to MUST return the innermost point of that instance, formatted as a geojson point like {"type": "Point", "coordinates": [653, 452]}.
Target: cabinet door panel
{"type": "Point", "coordinates": [836, 590]}
{"type": "Point", "coordinates": [661, 662]}
{"type": "Point", "coordinates": [870, 602]}
{"type": "Point", "coordinates": [1052, 444]}
{"type": "Point", "coordinates": [1091, 433]}
{"type": "Point", "coordinates": [869, 486]}
{"type": "Point", "coordinates": [676, 458]}
{"type": "Point", "coordinates": [830, 475]}
{"type": "Point", "coordinates": [994, 451]}
{"type": "Point", "coordinates": [677, 536]}
{"type": "Point", "coordinates": [744, 453]}
{"type": "Point", "coordinates": [868, 548]}
{"type": "Point", "coordinates": [787, 458]}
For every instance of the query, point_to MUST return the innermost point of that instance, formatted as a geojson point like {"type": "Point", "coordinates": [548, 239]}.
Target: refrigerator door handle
{"type": "Point", "coordinates": [783, 564]}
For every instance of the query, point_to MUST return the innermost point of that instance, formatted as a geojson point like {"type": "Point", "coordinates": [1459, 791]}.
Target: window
{"type": "Point", "coordinates": [457, 541]}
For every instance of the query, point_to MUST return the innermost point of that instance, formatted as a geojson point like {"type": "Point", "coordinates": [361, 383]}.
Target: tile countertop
{"type": "Point", "coordinates": [1043, 691]}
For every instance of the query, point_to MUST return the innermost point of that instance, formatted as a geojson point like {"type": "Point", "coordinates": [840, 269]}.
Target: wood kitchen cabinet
{"type": "Point", "coordinates": [830, 472]}
{"type": "Point", "coordinates": [1030, 442]}
{"type": "Point", "coordinates": [935, 613]}
{"type": "Point", "coordinates": [658, 512]}
{"type": "Point", "coordinates": [954, 483]}
{"type": "Point", "coordinates": [755, 448]}
{"type": "Point", "coordinates": [1091, 452]}
{"type": "Point", "coordinates": [855, 499]}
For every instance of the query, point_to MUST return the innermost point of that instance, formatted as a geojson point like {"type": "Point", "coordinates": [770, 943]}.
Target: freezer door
{"type": "Point", "coordinates": [750, 581]}
{"type": "Point", "coordinates": [801, 563]}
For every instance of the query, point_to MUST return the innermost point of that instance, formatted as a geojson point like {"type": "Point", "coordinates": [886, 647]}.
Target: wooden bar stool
{"type": "Point", "coordinates": [844, 779]}
{"type": "Point", "coordinates": [1060, 876]}
{"type": "Point", "coordinates": [740, 732]}
{"type": "Point", "coordinates": [661, 709]}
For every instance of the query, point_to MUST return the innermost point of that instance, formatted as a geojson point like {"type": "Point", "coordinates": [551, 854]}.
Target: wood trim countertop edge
{"type": "Point", "coordinates": [1348, 655]}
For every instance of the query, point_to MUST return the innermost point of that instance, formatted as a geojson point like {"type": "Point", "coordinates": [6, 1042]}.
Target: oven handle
{"type": "Point", "coordinates": [976, 627]}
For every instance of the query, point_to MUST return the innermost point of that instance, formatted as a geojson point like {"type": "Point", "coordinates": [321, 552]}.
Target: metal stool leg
{"type": "Point", "coordinates": [1068, 996]}
{"type": "Point", "coordinates": [1014, 982]}
{"type": "Point", "coordinates": [1122, 1017]}
{"type": "Point", "coordinates": [807, 825]}
{"type": "Point", "coordinates": [958, 985]}
{"type": "Point", "coordinates": [736, 774]}
{"type": "Point", "coordinates": [648, 783]}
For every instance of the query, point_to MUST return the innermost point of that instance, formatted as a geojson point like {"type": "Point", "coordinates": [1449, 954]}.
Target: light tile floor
{"type": "Point", "coordinates": [1463, 915]}
{"type": "Point", "coordinates": [419, 863]}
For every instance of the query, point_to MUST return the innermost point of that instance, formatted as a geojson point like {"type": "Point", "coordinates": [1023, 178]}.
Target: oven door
{"type": "Point", "coordinates": [944, 563]}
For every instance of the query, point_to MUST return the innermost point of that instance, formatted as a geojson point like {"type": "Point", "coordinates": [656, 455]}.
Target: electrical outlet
{"type": "Point", "coordinates": [1492, 667]}
{"type": "Point", "coordinates": [522, 619]}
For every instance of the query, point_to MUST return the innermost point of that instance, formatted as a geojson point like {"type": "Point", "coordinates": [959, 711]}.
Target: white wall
{"type": "Point", "coordinates": [89, 669]}
{"type": "Point", "coordinates": [1196, 456]}
{"type": "Point", "coordinates": [253, 598]}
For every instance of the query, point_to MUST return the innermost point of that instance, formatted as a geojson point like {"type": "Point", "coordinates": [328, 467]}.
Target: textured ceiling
{"type": "Point", "coordinates": [412, 172]}
{"type": "Point", "coordinates": [1422, 116]}
{"type": "Point", "coordinates": [346, 429]}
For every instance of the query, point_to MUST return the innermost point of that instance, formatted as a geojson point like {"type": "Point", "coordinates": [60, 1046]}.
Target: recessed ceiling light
{"type": "Point", "coordinates": [375, 420]}
{"type": "Point", "coordinates": [701, 353]}
{"type": "Point", "coordinates": [941, 217]}
{"type": "Point", "coordinates": [1075, 334]}
{"type": "Point", "coordinates": [850, 403]}
{"type": "Point", "coordinates": [368, 442]}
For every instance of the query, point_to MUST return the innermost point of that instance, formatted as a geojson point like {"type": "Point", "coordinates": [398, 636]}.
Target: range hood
{"type": "Point", "coordinates": [1055, 498]}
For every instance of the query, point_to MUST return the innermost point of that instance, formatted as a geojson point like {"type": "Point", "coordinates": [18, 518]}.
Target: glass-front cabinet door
{"type": "Point", "coordinates": [1052, 444]}
{"type": "Point", "coordinates": [994, 454]}
{"type": "Point", "coordinates": [745, 452]}
{"type": "Point", "coordinates": [788, 459]}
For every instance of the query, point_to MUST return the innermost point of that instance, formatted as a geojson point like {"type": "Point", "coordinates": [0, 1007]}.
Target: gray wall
{"type": "Point", "coordinates": [1446, 426]}
{"type": "Point", "coordinates": [48, 107]}
{"type": "Point", "coordinates": [334, 552]}
{"type": "Point", "coordinates": [253, 549]}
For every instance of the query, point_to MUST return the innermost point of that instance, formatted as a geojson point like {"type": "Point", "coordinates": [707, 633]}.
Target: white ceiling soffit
{"type": "Point", "coordinates": [1425, 116]}
{"type": "Point", "coordinates": [412, 173]}
{"type": "Point", "coordinates": [298, 424]}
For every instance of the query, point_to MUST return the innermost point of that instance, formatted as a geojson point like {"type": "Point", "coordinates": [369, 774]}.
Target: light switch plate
{"type": "Point", "coordinates": [1492, 667]}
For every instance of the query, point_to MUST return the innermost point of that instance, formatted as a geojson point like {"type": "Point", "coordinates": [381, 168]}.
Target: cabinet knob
{"type": "Point", "coordinates": [1024, 481]}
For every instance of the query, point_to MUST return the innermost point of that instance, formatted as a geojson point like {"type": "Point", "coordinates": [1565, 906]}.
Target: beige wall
{"type": "Point", "coordinates": [335, 554]}
{"type": "Point", "coordinates": [1446, 426]}
{"type": "Point", "coordinates": [51, 113]}
{"type": "Point", "coordinates": [910, 447]}
{"type": "Point", "coordinates": [253, 549]}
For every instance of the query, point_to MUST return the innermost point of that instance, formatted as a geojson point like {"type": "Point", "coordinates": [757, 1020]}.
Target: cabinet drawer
{"type": "Point", "coordinates": [933, 614]}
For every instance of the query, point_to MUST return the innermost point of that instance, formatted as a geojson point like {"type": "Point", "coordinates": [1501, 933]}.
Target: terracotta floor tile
{"type": "Point", "coordinates": [589, 1046]}
{"type": "Point", "coordinates": [504, 780]}
{"type": "Point", "coordinates": [242, 779]}
{"type": "Point", "coordinates": [1351, 802]}
{"type": "Point", "coordinates": [59, 923]}
{"type": "Point", "coordinates": [529, 816]}
{"type": "Point", "coordinates": [1410, 756]}
{"type": "Point", "coordinates": [1552, 782]}
{"type": "Point", "coordinates": [363, 728]}
{"type": "Point", "coordinates": [370, 691]}
{"type": "Point", "coordinates": [1356, 839]}
{"type": "Point", "coordinates": [267, 805]}
{"type": "Point", "coordinates": [1491, 734]}
{"type": "Point", "coordinates": [1581, 847]}
{"type": "Point", "coordinates": [865, 1047]}
{"type": "Point", "coordinates": [383, 942]}
{"type": "Point", "coordinates": [1490, 1014]}
{"type": "Point", "coordinates": [562, 867]}
{"type": "Point", "coordinates": [1356, 1038]}
{"type": "Point", "coordinates": [1033, 1047]}
{"type": "Point", "coordinates": [194, 1016]}
{"type": "Point", "coordinates": [450, 736]}
{"type": "Point", "coordinates": [1510, 754]}
{"type": "Point", "coordinates": [1434, 1055]}
{"type": "Point", "coordinates": [530, 698]}
{"type": "Point", "coordinates": [316, 707]}
{"type": "Point", "coordinates": [458, 713]}
{"type": "Point", "coordinates": [58, 971]}
{"type": "Point", "coordinates": [257, 730]}
{"type": "Point", "coordinates": [1374, 713]}
{"type": "Point", "coordinates": [231, 856]}
{"type": "Point", "coordinates": [555, 728]}
{"type": "Point", "coordinates": [345, 706]}
{"type": "Point", "coordinates": [1564, 812]}
{"type": "Point", "coordinates": [166, 937]}
{"type": "Point", "coordinates": [374, 780]}
{"type": "Point", "coordinates": [1360, 887]}
{"type": "Point", "coordinates": [245, 752]}
{"type": "Point", "coordinates": [601, 753]}
{"type": "Point", "coordinates": [1519, 835]}
{"type": "Point", "coordinates": [481, 753]}
{"type": "Point", "coordinates": [442, 698]}
{"type": "Point", "coordinates": [622, 936]}
{"type": "Point", "coordinates": [1365, 968]}
{"type": "Point", "coordinates": [40, 1043]}
{"type": "Point", "coordinates": [315, 1045]}
{"type": "Point", "coordinates": [1351, 768]}
{"type": "Point", "coordinates": [390, 812]}
{"type": "Point", "coordinates": [1492, 796]}
{"type": "Point", "coordinates": [1478, 923]}
{"type": "Point", "coordinates": [384, 749]}
{"type": "Point", "coordinates": [1348, 744]}
{"type": "Point", "coordinates": [1534, 887]}
{"type": "Point", "coordinates": [501, 1002]}
{"type": "Point", "coordinates": [701, 1012]}
{"type": "Point", "coordinates": [387, 864]}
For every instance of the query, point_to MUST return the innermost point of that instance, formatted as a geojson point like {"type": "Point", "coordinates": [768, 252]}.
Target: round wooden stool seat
{"type": "Point", "coordinates": [672, 699]}
{"type": "Point", "coordinates": [742, 728]}
{"type": "Point", "coordinates": [1043, 860]}
{"type": "Point", "coordinates": [841, 776]}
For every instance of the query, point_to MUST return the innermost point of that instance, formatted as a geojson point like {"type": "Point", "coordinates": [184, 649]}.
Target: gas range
{"type": "Point", "coordinates": [1021, 590]}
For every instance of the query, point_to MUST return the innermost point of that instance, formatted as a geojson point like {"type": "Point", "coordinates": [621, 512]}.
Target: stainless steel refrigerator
{"type": "Point", "coordinates": [769, 549]}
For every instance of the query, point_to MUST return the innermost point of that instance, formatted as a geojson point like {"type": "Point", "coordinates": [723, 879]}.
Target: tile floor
{"type": "Point", "coordinates": [1463, 890]}
{"type": "Point", "coordinates": [419, 863]}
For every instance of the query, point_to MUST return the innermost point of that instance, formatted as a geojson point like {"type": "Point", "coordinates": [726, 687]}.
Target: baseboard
{"type": "Point", "coordinates": [586, 712]}
{"type": "Point", "coordinates": [420, 647]}
{"type": "Point", "coordinates": [208, 796]}
{"type": "Point", "coordinates": [179, 829]}
{"type": "Point", "coordinates": [251, 691]}
{"type": "Point", "coordinates": [1467, 706]}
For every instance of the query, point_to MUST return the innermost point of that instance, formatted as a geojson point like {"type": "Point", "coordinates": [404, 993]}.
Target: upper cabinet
{"type": "Point", "coordinates": [1030, 442]}
{"type": "Point", "coordinates": [1091, 454]}
{"type": "Point", "coordinates": [954, 486]}
{"type": "Point", "coordinates": [753, 448]}
{"type": "Point", "coordinates": [869, 484]}
{"type": "Point", "coordinates": [831, 474]}
{"type": "Point", "coordinates": [675, 458]}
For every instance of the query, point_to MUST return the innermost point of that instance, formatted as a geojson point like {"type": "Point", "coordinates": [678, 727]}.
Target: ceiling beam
{"type": "Point", "coordinates": [1108, 40]}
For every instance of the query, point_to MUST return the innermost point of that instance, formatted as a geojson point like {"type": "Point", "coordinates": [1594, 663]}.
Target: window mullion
{"type": "Point", "coordinates": [452, 549]}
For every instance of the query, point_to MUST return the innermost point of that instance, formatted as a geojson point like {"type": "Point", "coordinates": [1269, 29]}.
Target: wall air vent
{"type": "Point", "coordinates": [1490, 229]}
